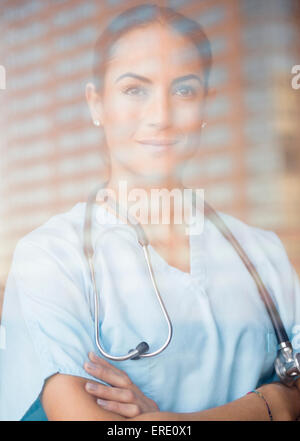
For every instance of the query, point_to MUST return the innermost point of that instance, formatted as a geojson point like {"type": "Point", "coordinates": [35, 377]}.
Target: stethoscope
{"type": "Point", "coordinates": [287, 363]}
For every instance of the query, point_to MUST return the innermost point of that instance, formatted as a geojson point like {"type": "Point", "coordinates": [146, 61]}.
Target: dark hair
{"type": "Point", "coordinates": [140, 16]}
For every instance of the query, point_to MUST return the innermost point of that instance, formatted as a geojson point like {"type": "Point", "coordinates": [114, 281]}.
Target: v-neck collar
{"type": "Point", "coordinates": [197, 272]}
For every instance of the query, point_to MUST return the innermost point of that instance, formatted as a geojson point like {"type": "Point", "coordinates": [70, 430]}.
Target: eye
{"type": "Point", "coordinates": [185, 91]}
{"type": "Point", "coordinates": [135, 91]}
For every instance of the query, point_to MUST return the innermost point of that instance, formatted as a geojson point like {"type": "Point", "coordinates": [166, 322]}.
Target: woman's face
{"type": "Point", "coordinates": [152, 100]}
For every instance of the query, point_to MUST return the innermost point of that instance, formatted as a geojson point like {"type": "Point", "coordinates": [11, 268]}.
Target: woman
{"type": "Point", "coordinates": [154, 65]}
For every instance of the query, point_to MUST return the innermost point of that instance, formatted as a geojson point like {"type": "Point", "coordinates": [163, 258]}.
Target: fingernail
{"type": "Point", "coordinates": [91, 386]}
{"type": "Point", "coordinates": [90, 367]}
{"type": "Point", "coordinates": [101, 402]}
{"type": "Point", "coordinates": [93, 356]}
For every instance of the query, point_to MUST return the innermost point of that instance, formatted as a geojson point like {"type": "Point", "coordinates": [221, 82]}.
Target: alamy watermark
{"type": "Point", "coordinates": [2, 78]}
{"type": "Point", "coordinates": [295, 83]}
{"type": "Point", "coordinates": [156, 206]}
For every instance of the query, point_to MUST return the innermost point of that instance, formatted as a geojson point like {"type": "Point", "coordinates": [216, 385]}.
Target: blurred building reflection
{"type": "Point", "coordinates": [249, 156]}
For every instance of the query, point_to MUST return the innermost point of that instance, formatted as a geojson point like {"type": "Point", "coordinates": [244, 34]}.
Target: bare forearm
{"type": "Point", "coordinates": [283, 401]}
{"type": "Point", "coordinates": [65, 398]}
{"type": "Point", "coordinates": [248, 408]}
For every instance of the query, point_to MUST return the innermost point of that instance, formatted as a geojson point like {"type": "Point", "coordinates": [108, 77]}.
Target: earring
{"type": "Point", "coordinates": [97, 123]}
{"type": "Point", "coordinates": [204, 124]}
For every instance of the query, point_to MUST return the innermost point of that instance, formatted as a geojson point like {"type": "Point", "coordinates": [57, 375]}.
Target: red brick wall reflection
{"type": "Point", "coordinates": [51, 157]}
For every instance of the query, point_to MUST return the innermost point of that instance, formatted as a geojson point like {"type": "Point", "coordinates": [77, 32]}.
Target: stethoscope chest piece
{"type": "Point", "coordinates": [141, 348]}
{"type": "Point", "coordinates": [287, 364]}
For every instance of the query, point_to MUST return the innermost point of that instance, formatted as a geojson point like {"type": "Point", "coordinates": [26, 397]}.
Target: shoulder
{"type": "Point", "coordinates": [64, 228]}
{"type": "Point", "coordinates": [267, 253]}
{"type": "Point", "coordinates": [58, 241]}
{"type": "Point", "coordinates": [259, 242]}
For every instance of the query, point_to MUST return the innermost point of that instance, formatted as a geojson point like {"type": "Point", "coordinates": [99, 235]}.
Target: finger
{"type": "Point", "coordinates": [107, 374]}
{"type": "Point", "coordinates": [126, 410]}
{"type": "Point", "coordinates": [95, 359]}
{"type": "Point", "coordinates": [111, 393]}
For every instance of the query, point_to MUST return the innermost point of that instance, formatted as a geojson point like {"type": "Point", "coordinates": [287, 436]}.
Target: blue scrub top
{"type": "Point", "coordinates": [223, 342]}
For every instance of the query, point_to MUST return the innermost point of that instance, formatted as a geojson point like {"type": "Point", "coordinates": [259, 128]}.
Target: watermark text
{"type": "Point", "coordinates": [156, 206]}
{"type": "Point", "coordinates": [2, 78]}
{"type": "Point", "coordinates": [296, 77]}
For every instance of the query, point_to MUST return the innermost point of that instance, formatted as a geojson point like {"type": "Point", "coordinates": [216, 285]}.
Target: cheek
{"type": "Point", "coordinates": [187, 117]}
{"type": "Point", "coordinates": [120, 117]}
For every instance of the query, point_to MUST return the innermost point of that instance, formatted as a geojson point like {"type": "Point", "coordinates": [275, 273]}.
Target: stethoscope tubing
{"type": "Point", "coordinates": [88, 250]}
{"type": "Point", "coordinates": [279, 329]}
{"type": "Point", "coordinates": [209, 212]}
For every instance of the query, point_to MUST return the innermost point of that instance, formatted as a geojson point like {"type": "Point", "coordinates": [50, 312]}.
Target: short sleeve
{"type": "Point", "coordinates": [286, 288]}
{"type": "Point", "coordinates": [48, 321]}
{"type": "Point", "coordinates": [293, 297]}
{"type": "Point", "coordinates": [288, 294]}
{"type": "Point", "coordinates": [295, 331]}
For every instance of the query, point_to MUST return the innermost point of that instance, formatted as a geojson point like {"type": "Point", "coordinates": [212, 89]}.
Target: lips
{"type": "Point", "coordinates": [158, 142]}
{"type": "Point", "coordinates": [157, 146]}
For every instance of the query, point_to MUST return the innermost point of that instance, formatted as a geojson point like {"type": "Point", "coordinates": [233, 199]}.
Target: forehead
{"type": "Point", "coordinates": [154, 50]}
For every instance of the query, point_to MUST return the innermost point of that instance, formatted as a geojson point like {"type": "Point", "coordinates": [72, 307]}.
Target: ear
{"type": "Point", "coordinates": [94, 102]}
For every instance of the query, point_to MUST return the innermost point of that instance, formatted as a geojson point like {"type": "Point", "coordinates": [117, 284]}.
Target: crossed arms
{"type": "Point", "coordinates": [67, 397]}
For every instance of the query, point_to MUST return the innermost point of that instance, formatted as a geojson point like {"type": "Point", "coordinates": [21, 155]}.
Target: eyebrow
{"type": "Point", "coordinates": [146, 80]}
{"type": "Point", "coordinates": [186, 78]}
{"type": "Point", "coordinates": [133, 75]}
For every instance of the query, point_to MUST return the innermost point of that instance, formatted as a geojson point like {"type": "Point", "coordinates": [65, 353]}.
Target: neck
{"type": "Point", "coordinates": [165, 234]}
{"type": "Point", "coordinates": [139, 193]}
{"type": "Point", "coordinates": [119, 173]}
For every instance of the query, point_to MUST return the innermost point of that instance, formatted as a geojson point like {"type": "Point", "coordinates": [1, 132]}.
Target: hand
{"type": "Point", "coordinates": [124, 398]}
{"type": "Point", "coordinates": [284, 401]}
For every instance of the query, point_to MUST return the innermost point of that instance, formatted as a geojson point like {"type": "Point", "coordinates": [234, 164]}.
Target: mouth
{"type": "Point", "coordinates": [157, 145]}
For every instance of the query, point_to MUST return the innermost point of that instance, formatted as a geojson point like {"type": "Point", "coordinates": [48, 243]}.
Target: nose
{"type": "Point", "coordinates": [159, 112]}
